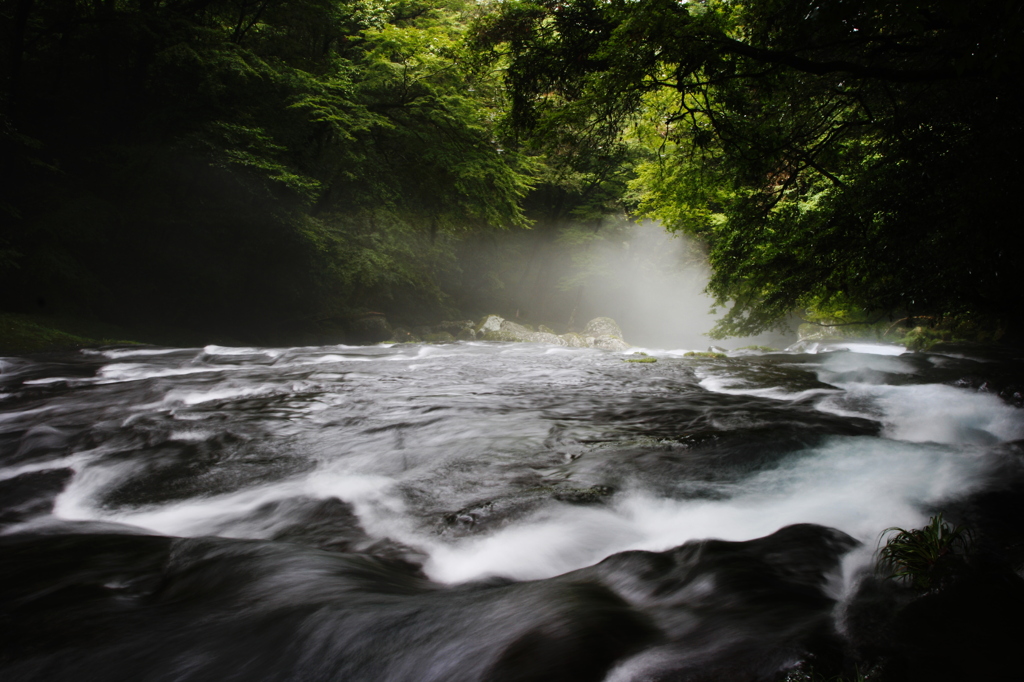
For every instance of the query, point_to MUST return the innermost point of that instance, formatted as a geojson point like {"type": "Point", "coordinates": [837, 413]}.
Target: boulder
{"type": "Point", "coordinates": [610, 343]}
{"type": "Point", "coordinates": [403, 335]}
{"type": "Point", "coordinates": [369, 328]}
{"type": "Point", "coordinates": [602, 326]}
{"type": "Point", "coordinates": [601, 332]}
{"type": "Point", "coordinates": [453, 327]}
{"type": "Point", "coordinates": [574, 340]}
{"type": "Point", "coordinates": [438, 337]}
{"type": "Point", "coordinates": [605, 333]}
{"type": "Point", "coordinates": [525, 334]}
{"type": "Point", "coordinates": [491, 323]}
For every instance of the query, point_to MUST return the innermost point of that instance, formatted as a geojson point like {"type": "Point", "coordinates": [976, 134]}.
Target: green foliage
{"type": "Point", "coordinates": [248, 165]}
{"type": "Point", "coordinates": [641, 360]}
{"type": "Point", "coordinates": [859, 154]}
{"type": "Point", "coordinates": [926, 558]}
{"type": "Point", "coordinates": [31, 334]}
{"type": "Point", "coordinates": [704, 354]}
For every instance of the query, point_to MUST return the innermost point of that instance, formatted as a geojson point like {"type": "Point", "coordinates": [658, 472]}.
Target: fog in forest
{"type": "Point", "coordinates": [648, 280]}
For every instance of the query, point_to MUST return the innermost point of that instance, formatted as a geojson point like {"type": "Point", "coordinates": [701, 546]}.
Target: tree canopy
{"type": "Point", "coordinates": [858, 156]}
{"type": "Point", "coordinates": [236, 162]}
{"type": "Point", "coordinates": [241, 160]}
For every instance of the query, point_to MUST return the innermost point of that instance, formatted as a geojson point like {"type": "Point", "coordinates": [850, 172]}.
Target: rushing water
{"type": "Point", "coordinates": [466, 511]}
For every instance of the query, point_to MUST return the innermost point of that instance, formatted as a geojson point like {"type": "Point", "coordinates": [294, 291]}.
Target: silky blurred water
{"type": "Point", "coordinates": [481, 460]}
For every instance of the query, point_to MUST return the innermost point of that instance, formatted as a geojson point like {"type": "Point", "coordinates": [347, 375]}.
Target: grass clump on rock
{"type": "Point", "coordinates": [926, 558]}
{"type": "Point", "coordinates": [640, 356]}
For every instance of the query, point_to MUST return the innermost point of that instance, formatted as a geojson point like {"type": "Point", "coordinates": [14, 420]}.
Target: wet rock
{"type": "Point", "coordinates": [602, 326]}
{"type": "Point", "coordinates": [369, 328]}
{"type": "Point", "coordinates": [525, 334]}
{"type": "Point", "coordinates": [490, 323]}
{"type": "Point", "coordinates": [453, 327]}
{"type": "Point", "coordinates": [593, 495]}
{"type": "Point", "coordinates": [601, 332]}
{"type": "Point", "coordinates": [249, 610]}
{"type": "Point", "coordinates": [329, 524]}
{"type": "Point", "coordinates": [403, 335]}
{"type": "Point", "coordinates": [1013, 394]}
{"type": "Point", "coordinates": [491, 514]}
{"type": "Point", "coordinates": [1010, 392]}
{"type": "Point", "coordinates": [574, 340]}
{"type": "Point", "coordinates": [605, 333]}
{"type": "Point", "coordinates": [466, 335]}
{"type": "Point", "coordinates": [500, 335]}
{"type": "Point", "coordinates": [31, 494]}
{"type": "Point", "coordinates": [439, 337]}
{"type": "Point", "coordinates": [488, 515]}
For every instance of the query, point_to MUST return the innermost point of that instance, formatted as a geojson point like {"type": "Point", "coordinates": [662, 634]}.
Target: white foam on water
{"type": "Point", "coordinates": [224, 515]}
{"type": "Point", "coordinates": [853, 346]}
{"type": "Point", "coordinates": [116, 353]}
{"type": "Point", "coordinates": [132, 371]}
{"type": "Point", "coordinates": [197, 516]}
{"type": "Point", "coordinates": [861, 485]}
{"type": "Point", "coordinates": [49, 380]}
{"type": "Point", "coordinates": [561, 540]}
{"type": "Point", "coordinates": [738, 386]}
{"type": "Point", "coordinates": [35, 467]}
{"type": "Point", "coordinates": [330, 357]}
{"type": "Point", "coordinates": [239, 350]}
{"type": "Point", "coordinates": [190, 398]}
{"type": "Point", "coordinates": [932, 413]}
{"type": "Point", "coordinates": [862, 368]}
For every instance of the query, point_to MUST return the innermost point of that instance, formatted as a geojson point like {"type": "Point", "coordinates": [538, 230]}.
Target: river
{"type": "Point", "coordinates": [473, 511]}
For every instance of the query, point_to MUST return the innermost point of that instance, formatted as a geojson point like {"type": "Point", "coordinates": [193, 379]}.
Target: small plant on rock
{"type": "Point", "coordinates": [927, 558]}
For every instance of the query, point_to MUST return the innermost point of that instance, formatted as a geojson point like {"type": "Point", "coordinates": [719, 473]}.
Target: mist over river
{"type": "Point", "coordinates": [472, 511]}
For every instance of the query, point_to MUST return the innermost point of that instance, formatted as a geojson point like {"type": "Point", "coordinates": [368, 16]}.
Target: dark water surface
{"type": "Point", "coordinates": [468, 511]}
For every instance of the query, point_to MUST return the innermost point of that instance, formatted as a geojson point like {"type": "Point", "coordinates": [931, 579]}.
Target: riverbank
{"type": "Point", "coordinates": [20, 334]}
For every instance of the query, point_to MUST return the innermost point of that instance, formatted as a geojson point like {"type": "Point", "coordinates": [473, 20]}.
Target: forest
{"type": "Point", "coordinates": [266, 170]}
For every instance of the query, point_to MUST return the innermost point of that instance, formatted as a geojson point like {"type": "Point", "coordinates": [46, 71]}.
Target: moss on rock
{"type": "Point", "coordinates": [703, 354]}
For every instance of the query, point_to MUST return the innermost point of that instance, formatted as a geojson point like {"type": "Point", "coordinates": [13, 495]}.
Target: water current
{"type": "Point", "coordinates": [473, 511]}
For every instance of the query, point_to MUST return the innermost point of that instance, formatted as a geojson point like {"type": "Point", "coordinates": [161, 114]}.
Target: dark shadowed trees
{"type": "Point", "coordinates": [858, 156]}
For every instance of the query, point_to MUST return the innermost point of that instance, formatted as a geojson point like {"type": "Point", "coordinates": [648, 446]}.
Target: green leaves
{"type": "Point", "coordinates": [813, 146]}
{"type": "Point", "coordinates": [330, 146]}
{"type": "Point", "coordinates": [926, 558]}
